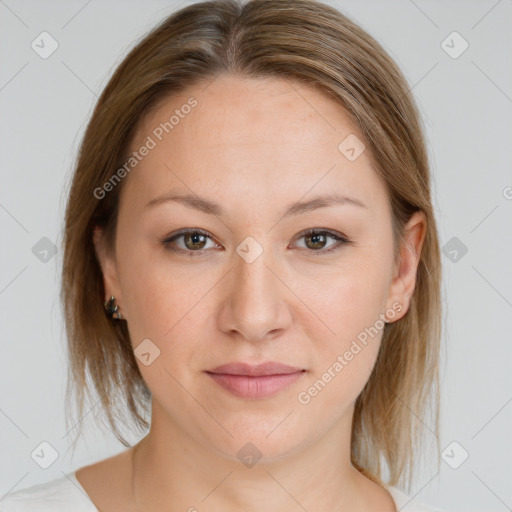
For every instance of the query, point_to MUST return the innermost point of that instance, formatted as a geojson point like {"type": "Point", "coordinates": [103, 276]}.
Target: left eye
{"type": "Point", "coordinates": [318, 237]}
{"type": "Point", "coordinates": [195, 240]}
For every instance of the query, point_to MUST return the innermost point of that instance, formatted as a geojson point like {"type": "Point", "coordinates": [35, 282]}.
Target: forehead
{"type": "Point", "coordinates": [252, 137]}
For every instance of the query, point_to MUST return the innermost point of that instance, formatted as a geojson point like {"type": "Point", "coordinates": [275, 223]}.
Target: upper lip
{"type": "Point", "coordinates": [267, 368]}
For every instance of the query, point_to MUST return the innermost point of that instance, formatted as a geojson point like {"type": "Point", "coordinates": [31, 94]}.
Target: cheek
{"type": "Point", "coordinates": [343, 361]}
{"type": "Point", "coordinates": [153, 295]}
{"type": "Point", "coordinates": [349, 312]}
{"type": "Point", "coordinates": [170, 305]}
{"type": "Point", "coordinates": [348, 300]}
{"type": "Point", "coordinates": [162, 311]}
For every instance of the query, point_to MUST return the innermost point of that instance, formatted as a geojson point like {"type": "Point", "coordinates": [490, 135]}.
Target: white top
{"type": "Point", "coordinates": [66, 494]}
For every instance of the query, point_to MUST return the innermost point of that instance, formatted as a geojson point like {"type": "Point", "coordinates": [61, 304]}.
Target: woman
{"type": "Point", "coordinates": [251, 255]}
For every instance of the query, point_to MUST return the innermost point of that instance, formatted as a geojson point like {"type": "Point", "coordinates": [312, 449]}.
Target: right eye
{"type": "Point", "coordinates": [194, 240]}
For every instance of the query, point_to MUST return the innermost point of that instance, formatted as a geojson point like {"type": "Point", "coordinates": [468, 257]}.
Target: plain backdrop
{"type": "Point", "coordinates": [465, 97]}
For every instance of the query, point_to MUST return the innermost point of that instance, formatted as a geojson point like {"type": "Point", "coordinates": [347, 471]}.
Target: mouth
{"type": "Point", "coordinates": [250, 370]}
{"type": "Point", "coordinates": [255, 381]}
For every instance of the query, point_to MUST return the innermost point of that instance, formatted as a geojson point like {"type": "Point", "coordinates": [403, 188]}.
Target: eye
{"type": "Point", "coordinates": [195, 241]}
{"type": "Point", "coordinates": [316, 238]}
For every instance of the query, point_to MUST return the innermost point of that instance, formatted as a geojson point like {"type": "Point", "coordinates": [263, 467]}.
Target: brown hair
{"type": "Point", "coordinates": [314, 44]}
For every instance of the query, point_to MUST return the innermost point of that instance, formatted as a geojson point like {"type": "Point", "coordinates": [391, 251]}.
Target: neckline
{"type": "Point", "coordinates": [399, 497]}
{"type": "Point", "coordinates": [73, 477]}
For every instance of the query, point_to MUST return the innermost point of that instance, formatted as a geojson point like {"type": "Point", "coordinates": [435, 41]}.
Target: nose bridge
{"type": "Point", "coordinates": [255, 300]}
{"type": "Point", "coordinates": [253, 283]}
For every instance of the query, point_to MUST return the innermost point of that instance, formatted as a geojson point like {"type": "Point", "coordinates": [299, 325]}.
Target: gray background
{"type": "Point", "coordinates": [467, 105]}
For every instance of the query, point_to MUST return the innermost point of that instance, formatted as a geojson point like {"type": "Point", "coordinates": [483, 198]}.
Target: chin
{"type": "Point", "coordinates": [257, 446]}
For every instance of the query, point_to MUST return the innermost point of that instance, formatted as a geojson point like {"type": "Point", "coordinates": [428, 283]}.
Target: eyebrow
{"type": "Point", "coordinates": [205, 205]}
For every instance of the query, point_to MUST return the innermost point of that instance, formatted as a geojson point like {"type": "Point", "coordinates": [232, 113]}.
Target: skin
{"type": "Point", "coordinates": [255, 147]}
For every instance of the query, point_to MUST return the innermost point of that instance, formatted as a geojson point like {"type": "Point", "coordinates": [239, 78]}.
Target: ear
{"type": "Point", "coordinates": [404, 278]}
{"type": "Point", "coordinates": [108, 268]}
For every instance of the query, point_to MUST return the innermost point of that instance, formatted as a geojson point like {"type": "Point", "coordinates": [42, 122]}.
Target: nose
{"type": "Point", "coordinates": [256, 305]}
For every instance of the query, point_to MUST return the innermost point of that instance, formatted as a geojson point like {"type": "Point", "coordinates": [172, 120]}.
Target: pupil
{"type": "Point", "coordinates": [195, 238]}
{"type": "Point", "coordinates": [315, 238]}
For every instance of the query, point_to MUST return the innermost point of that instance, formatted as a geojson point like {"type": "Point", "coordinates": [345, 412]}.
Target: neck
{"type": "Point", "coordinates": [171, 469]}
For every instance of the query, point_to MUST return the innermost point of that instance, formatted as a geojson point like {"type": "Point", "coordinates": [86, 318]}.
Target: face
{"type": "Point", "coordinates": [244, 281]}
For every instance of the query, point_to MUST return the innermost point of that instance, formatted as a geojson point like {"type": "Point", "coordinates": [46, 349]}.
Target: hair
{"type": "Point", "coordinates": [311, 43]}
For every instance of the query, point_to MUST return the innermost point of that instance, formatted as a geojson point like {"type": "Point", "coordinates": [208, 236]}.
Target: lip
{"type": "Point", "coordinates": [267, 368]}
{"type": "Point", "coordinates": [255, 381]}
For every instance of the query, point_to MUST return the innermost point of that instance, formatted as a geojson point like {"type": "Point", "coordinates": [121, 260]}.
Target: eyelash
{"type": "Point", "coordinates": [341, 240]}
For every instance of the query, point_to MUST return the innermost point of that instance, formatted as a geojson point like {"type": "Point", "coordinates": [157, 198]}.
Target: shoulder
{"type": "Point", "coordinates": [59, 495]}
{"type": "Point", "coordinates": [402, 499]}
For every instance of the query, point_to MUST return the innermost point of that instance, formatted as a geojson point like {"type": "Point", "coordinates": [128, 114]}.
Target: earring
{"type": "Point", "coordinates": [112, 308]}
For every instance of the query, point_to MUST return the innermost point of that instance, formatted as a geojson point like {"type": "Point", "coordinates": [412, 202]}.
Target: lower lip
{"type": "Point", "coordinates": [254, 387]}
